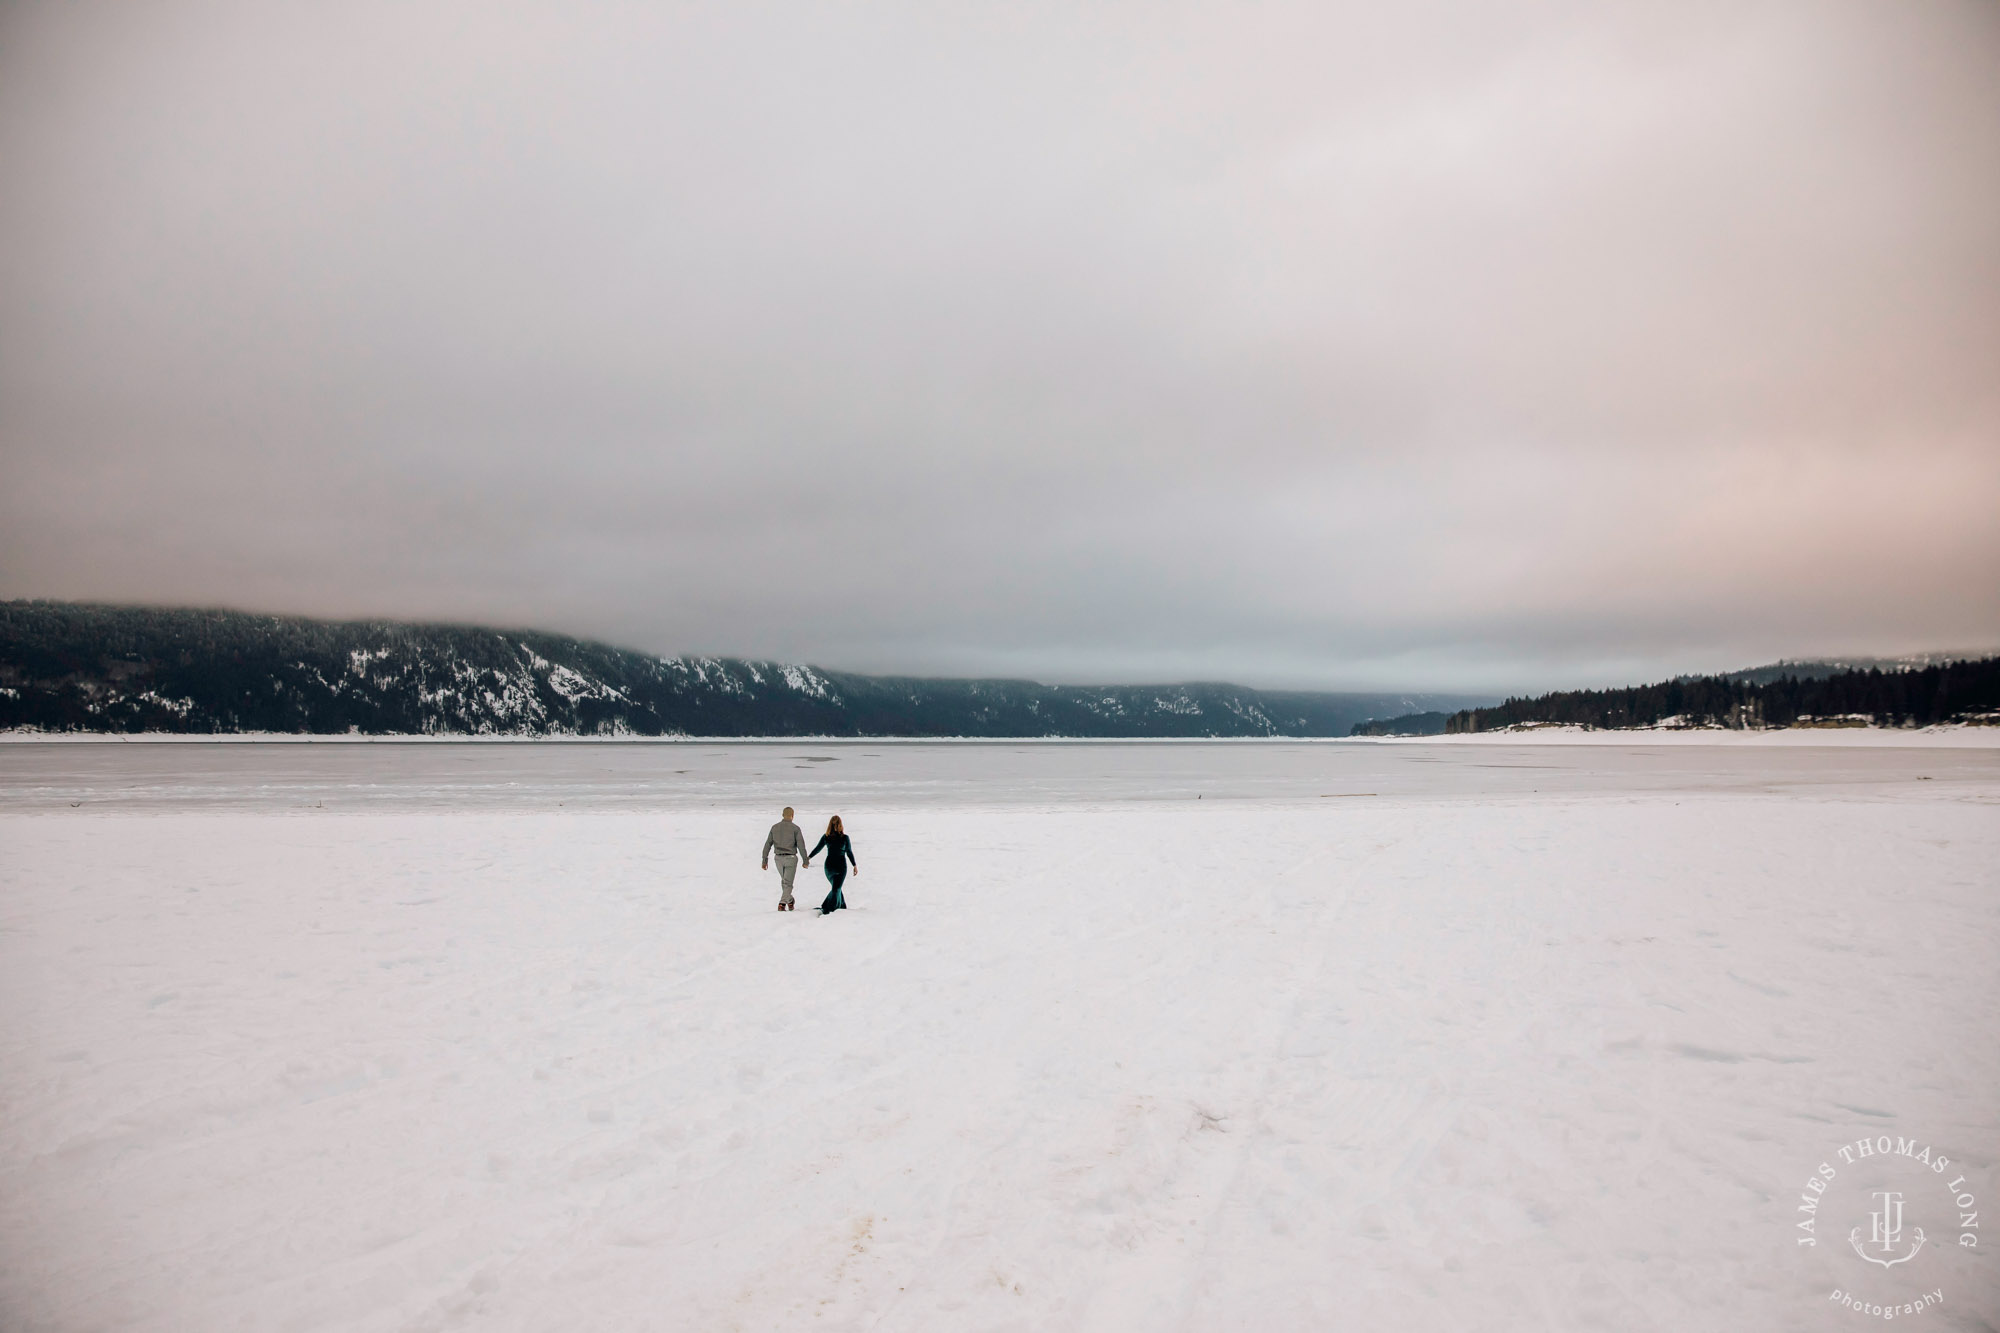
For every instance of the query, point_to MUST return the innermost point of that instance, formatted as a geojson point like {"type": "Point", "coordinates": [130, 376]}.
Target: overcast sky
{"type": "Point", "coordinates": [1458, 345]}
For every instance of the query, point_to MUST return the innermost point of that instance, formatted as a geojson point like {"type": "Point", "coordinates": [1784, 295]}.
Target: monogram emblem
{"type": "Point", "coordinates": [1885, 1232]}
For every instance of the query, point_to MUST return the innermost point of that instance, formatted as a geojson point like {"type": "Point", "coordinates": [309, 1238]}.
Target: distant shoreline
{"type": "Point", "coordinates": [19, 737]}
{"type": "Point", "coordinates": [1945, 736]}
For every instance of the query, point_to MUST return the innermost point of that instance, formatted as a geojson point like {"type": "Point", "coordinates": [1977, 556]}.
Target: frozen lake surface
{"type": "Point", "coordinates": [271, 777]}
{"type": "Point", "coordinates": [1154, 1036]}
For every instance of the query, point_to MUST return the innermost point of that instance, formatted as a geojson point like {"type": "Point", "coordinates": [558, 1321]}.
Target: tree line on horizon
{"type": "Point", "coordinates": [1947, 692]}
{"type": "Point", "coordinates": [66, 667]}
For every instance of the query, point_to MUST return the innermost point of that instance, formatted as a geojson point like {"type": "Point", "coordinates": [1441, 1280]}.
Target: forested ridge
{"type": "Point", "coordinates": [66, 667]}
{"type": "Point", "coordinates": [1944, 692]}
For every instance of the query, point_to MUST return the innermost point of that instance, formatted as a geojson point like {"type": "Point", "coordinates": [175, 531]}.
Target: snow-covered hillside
{"type": "Point", "coordinates": [70, 668]}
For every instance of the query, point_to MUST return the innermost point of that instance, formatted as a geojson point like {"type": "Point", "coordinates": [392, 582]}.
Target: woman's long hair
{"type": "Point", "coordinates": [833, 826]}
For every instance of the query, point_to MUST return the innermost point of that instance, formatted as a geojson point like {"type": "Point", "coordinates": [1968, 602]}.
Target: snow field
{"type": "Point", "coordinates": [1537, 1062]}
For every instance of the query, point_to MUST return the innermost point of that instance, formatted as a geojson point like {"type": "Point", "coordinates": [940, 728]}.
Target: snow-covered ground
{"type": "Point", "coordinates": [1378, 1037]}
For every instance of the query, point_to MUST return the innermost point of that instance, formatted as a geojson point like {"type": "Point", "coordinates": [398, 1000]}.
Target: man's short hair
{"type": "Point", "coordinates": [788, 812]}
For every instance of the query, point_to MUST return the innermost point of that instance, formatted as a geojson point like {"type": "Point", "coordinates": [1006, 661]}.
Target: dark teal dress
{"type": "Point", "coordinates": [839, 852]}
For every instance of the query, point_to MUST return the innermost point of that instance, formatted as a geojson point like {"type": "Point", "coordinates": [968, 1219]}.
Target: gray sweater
{"type": "Point", "coordinates": [786, 838]}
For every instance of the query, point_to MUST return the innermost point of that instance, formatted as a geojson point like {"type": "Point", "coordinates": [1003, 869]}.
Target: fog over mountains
{"type": "Point", "coordinates": [79, 668]}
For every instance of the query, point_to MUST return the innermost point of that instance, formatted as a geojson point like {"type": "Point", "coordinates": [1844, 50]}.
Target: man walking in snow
{"type": "Point", "coordinates": [786, 840]}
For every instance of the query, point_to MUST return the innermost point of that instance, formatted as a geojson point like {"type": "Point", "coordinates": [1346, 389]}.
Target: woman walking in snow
{"type": "Point", "coordinates": [839, 855]}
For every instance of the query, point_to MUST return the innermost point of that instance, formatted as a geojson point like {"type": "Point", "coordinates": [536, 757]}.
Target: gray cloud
{"type": "Point", "coordinates": [1455, 344]}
